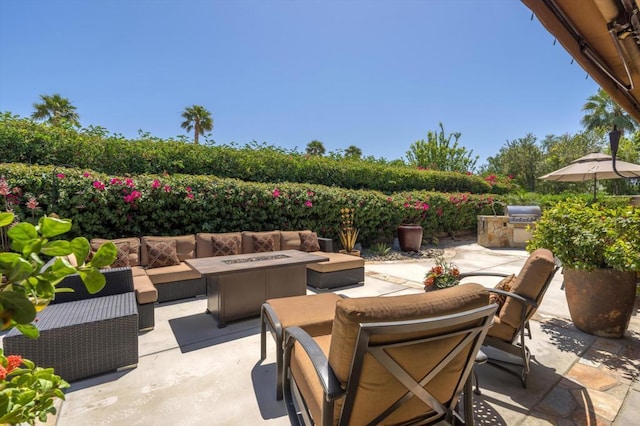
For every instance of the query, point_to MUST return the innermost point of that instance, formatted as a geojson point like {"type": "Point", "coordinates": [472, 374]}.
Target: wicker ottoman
{"type": "Point", "coordinates": [82, 338]}
{"type": "Point", "coordinates": [339, 271]}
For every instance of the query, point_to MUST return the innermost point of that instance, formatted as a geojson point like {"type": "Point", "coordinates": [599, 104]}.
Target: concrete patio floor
{"type": "Point", "coordinates": [192, 373]}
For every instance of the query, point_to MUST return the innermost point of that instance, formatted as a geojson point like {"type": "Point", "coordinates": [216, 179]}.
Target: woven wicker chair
{"type": "Point", "coordinates": [391, 360]}
{"type": "Point", "coordinates": [511, 322]}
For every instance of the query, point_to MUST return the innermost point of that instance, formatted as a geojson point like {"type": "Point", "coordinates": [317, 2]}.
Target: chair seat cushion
{"type": "Point", "coordinates": [336, 262]}
{"type": "Point", "coordinates": [313, 313]}
{"type": "Point", "coordinates": [169, 274]}
{"type": "Point", "coordinates": [501, 330]}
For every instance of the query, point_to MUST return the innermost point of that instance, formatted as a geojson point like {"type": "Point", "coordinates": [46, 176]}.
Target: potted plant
{"type": "Point", "coordinates": [410, 231]}
{"type": "Point", "coordinates": [598, 247]}
{"type": "Point", "coordinates": [27, 285]}
{"type": "Point", "coordinates": [348, 233]}
{"type": "Point", "coordinates": [444, 274]}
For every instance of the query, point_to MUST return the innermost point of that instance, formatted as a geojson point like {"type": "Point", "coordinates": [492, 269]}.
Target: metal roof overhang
{"type": "Point", "coordinates": [603, 36]}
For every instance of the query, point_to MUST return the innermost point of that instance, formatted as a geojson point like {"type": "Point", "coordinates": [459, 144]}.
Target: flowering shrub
{"type": "Point", "coordinates": [27, 392]}
{"type": "Point", "coordinates": [443, 275]}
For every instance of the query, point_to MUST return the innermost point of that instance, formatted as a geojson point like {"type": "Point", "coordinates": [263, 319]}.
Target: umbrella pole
{"type": "Point", "coordinates": [594, 188]}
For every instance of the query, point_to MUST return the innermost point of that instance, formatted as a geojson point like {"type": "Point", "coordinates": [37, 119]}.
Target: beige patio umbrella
{"type": "Point", "coordinates": [593, 167]}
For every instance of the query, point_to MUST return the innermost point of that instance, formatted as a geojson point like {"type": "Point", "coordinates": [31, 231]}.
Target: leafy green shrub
{"type": "Point", "coordinates": [111, 207]}
{"type": "Point", "coordinates": [23, 141]}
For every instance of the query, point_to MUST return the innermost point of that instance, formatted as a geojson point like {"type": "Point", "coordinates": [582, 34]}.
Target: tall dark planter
{"type": "Point", "coordinates": [601, 301]}
{"type": "Point", "coordinates": [410, 237]}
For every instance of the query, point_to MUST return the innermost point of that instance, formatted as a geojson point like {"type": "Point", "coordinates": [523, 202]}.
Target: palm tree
{"type": "Point", "coordinates": [353, 152]}
{"type": "Point", "coordinates": [56, 110]}
{"type": "Point", "coordinates": [602, 112]}
{"type": "Point", "coordinates": [197, 118]}
{"type": "Point", "coordinates": [315, 148]}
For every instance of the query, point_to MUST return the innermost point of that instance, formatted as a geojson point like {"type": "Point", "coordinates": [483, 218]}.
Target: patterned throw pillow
{"type": "Point", "coordinates": [225, 245]}
{"type": "Point", "coordinates": [309, 241]}
{"type": "Point", "coordinates": [504, 284]}
{"type": "Point", "coordinates": [162, 253]}
{"type": "Point", "coordinates": [122, 256]}
{"type": "Point", "coordinates": [262, 243]}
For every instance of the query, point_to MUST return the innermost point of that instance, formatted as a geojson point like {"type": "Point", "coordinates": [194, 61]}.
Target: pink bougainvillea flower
{"type": "Point", "coordinates": [308, 203]}
{"type": "Point", "coordinates": [155, 184]}
{"type": "Point", "coordinates": [115, 181]}
{"type": "Point", "coordinates": [167, 188]}
{"type": "Point", "coordinates": [86, 174]}
{"type": "Point", "coordinates": [439, 211]}
{"type": "Point", "coordinates": [190, 196]}
{"type": "Point", "coordinates": [275, 193]}
{"type": "Point", "coordinates": [310, 193]}
{"type": "Point", "coordinates": [98, 185]}
{"type": "Point", "coordinates": [32, 204]}
{"type": "Point", "coordinates": [60, 176]}
{"type": "Point", "coordinates": [188, 188]}
{"type": "Point", "coordinates": [425, 206]}
{"type": "Point", "coordinates": [407, 205]}
{"type": "Point", "coordinates": [129, 183]}
{"type": "Point", "coordinates": [389, 199]}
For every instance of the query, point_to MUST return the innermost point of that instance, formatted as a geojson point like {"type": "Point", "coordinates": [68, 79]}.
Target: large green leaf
{"type": "Point", "coordinates": [93, 280]}
{"type": "Point", "coordinates": [80, 247]}
{"type": "Point", "coordinates": [6, 219]}
{"type": "Point", "coordinates": [105, 255]}
{"type": "Point", "coordinates": [56, 248]}
{"type": "Point", "coordinates": [52, 227]}
{"type": "Point", "coordinates": [20, 270]}
{"type": "Point", "coordinates": [22, 234]}
{"type": "Point", "coordinates": [7, 259]}
{"type": "Point", "coordinates": [23, 311]}
{"type": "Point", "coordinates": [29, 330]}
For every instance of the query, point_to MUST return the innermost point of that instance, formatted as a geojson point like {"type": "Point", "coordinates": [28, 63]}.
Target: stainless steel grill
{"type": "Point", "coordinates": [523, 214]}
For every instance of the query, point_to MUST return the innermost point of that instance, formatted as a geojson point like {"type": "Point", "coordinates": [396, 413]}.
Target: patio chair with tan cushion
{"type": "Point", "coordinates": [390, 360]}
{"type": "Point", "coordinates": [518, 300]}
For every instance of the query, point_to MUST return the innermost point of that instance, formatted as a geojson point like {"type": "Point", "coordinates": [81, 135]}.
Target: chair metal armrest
{"type": "Point", "coordinates": [328, 380]}
{"type": "Point", "coordinates": [482, 274]}
{"type": "Point", "coordinates": [519, 298]}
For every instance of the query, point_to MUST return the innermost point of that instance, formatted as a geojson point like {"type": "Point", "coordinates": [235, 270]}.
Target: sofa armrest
{"type": "Point", "coordinates": [119, 280]}
{"type": "Point", "coordinates": [326, 244]}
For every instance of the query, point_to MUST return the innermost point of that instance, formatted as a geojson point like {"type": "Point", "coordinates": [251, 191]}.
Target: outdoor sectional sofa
{"type": "Point", "coordinates": [160, 273]}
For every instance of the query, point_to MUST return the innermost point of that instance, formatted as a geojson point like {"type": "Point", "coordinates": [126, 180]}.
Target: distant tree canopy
{"type": "Point", "coordinates": [353, 152]}
{"type": "Point", "coordinates": [438, 153]}
{"type": "Point", "coordinates": [315, 147]}
{"type": "Point", "coordinates": [602, 113]}
{"type": "Point", "coordinates": [56, 110]}
{"type": "Point", "coordinates": [198, 119]}
{"type": "Point", "coordinates": [521, 159]}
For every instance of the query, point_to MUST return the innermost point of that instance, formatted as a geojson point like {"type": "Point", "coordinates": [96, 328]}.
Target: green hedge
{"type": "Point", "coordinates": [22, 140]}
{"type": "Point", "coordinates": [116, 206]}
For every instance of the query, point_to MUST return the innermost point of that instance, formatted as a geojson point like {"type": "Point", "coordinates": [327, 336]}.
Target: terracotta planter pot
{"type": "Point", "coordinates": [410, 237]}
{"type": "Point", "coordinates": [600, 302]}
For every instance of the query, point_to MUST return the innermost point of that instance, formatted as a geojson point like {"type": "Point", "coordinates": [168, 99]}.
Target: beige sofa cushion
{"type": "Point", "coordinates": [185, 247]}
{"type": "Point", "coordinates": [145, 290]}
{"type": "Point", "coordinates": [247, 240]}
{"type": "Point", "coordinates": [204, 245]}
{"type": "Point", "coordinates": [168, 274]}
{"type": "Point", "coordinates": [336, 262]}
{"type": "Point", "coordinates": [134, 247]}
{"type": "Point", "coordinates": [290, 240]}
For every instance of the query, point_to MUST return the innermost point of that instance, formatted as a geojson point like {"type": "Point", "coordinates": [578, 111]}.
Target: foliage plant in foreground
{"type": "Point", "coordinates": [27, 392]}
{"type": "Point", "coordinates": [590, 236]}
{"type": "Point", "coordinates": [27, 283]}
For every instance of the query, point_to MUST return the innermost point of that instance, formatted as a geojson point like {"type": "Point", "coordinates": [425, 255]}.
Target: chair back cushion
{"type": "Point", "coordinates": [377, 388]}
{"type": "Point", "coordinates": [529, 283]}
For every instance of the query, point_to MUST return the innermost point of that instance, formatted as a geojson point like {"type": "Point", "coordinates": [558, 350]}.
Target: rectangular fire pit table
{"type": "Point", "coordinates": [238, 285]}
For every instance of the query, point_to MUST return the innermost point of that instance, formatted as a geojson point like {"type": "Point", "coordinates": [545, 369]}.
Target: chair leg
{"type": "Point", "coordinates": [468, 401]}
{"type": "Point", "coordinates": [263, 335]}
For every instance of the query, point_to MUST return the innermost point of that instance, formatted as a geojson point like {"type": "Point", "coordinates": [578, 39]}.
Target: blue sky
{"type": "Point", "coordinates": [376, 74]}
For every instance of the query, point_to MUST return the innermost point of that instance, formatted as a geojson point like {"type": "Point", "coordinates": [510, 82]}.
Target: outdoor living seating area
{"type": "Point", "coordinates": [189, 370]}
